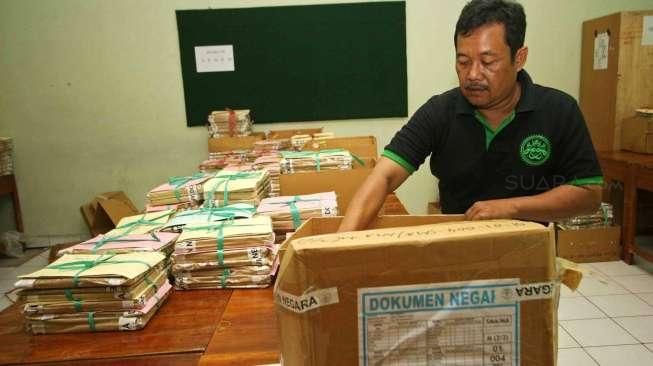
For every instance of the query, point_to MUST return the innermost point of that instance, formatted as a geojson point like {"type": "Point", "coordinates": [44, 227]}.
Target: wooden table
{"type": "Point", "coordinates": [634, 171]}
{"type": "Point", "coordinates": [209, 327]}
{"type": "Point", "coordinates": [8, 186]}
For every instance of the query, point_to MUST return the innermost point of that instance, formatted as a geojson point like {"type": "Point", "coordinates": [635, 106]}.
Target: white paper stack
{"type": "Point", "coordinates": [228, 254]}
{"type": "Point", "coordinates": [182, 189]}
{"type": "Point", "coordinates": [230, 123]}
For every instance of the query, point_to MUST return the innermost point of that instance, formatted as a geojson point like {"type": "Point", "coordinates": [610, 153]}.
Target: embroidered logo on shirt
{"type": "Point", "coordinates": [535, 150]}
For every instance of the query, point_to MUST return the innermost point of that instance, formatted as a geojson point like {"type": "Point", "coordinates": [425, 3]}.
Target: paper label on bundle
{"type": "Point", "coordinates": [329, 210]}
{"type": "Point", "coordinates": [462, 323]}
{"type": "Point", "coordinates": [115, 281]}
{"type": "Point", "coordinates": [255, 256]}
{"type": "Point", "coordinates": [187, 244]}
{"type": "Point", "coordinates": [127, 323]}
{"type": "Point", "coordinates": [193, 193]}
{"type": "Point", "coordinates": [128, 304]}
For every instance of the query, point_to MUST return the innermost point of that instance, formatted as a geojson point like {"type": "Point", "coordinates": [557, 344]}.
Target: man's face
{"type": "Point", "coordinates": [485, 70]}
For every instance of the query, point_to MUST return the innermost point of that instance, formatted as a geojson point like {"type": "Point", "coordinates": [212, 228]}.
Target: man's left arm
{"type": "Point", "coordinates": [558, 203]}
{"type": "Point", "coordinates": [575, 162]}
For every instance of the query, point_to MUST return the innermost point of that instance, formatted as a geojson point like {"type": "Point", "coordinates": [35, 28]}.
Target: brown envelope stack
{"type": "Point", "coordinates": [228, 254]}
{"type": "Point", "coordinates": [94, 292]}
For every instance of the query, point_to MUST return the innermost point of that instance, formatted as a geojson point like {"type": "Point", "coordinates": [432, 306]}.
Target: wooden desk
{"type": "Point", "coordinates": [635, 171]}
{"type": "Point", "coordinates": [8, 186]}
{"type": "Point", "coordinates": [209, 327]}
{"type": "Point", "coordinates": [182, 327]}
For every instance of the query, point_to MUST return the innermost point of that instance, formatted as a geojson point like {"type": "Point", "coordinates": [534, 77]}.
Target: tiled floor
{"type": "Point", "coordinates": [608, 321]}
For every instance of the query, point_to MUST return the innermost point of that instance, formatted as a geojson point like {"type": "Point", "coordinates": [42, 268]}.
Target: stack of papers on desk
{"type": "Point", "coordinates": [311, 161]}
{"type": "Point", "coordinates": [212, 165]}
{"type": "Point", "coordinates": [94, 292]}
{"type": "Point", "coordinates": [153, 242]}
{"type": "Point", "coordinates": [175, 207]}
{"type": "Point", "coordinates": [230, 123]}
{"type": "Point", "coordinates": [227, 254]}
{"type": "Point", "coordinates": [228, 187]}
{"type": "Point", "coordinates": [289, 212]}
{"type": "Point", "coordinates": [186, 189]}
{"type": "Point", "coordinates": [141, 224]}
{"type": "Point", "coordinates": [271, 163]}
{"type": "Point", "coordinates": [271, 146]}
{"type": "Point", "coordinates": [207, 215]}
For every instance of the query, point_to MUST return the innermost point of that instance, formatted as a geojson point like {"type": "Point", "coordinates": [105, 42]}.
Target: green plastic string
{"type": "Point", "coordinates": [91, 320]}
{"type": "Point", "coordinates": [178, 181]}
{"type": "Point", "coordinates": [294, 212]}
{"type": "Point", "coordinates": [77, 303]}
{"type": "Point", "coordinates": [223, 278]}
{"type": "Point", "coordinates": [225, 192]}
{"type": "Point", "coordinates": [220, 245]}
{"type": "Point", "coordinates": [85, 265]}
{"type": "Point", "coordinates": [149, 282]}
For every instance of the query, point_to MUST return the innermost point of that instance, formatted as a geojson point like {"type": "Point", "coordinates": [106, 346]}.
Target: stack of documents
{"type": "Point", "coordinates": [184, 189]}
{"type": "Point", "coordinates": [271, 146]}
{"type": "Point", "coordinates": [311, 161]}
{"type": "Point", "coordinates": [289, 212]}
{"type": "Point", "coordinates": [228, 187]}
{"type": "Point", "coordinates": [297, 142]}
{"type": "Point", "coordinates": [207, 215]}
{"type": "Point", "coordinates": [227, 254]}
{"type": "Point", "coordinates": [174, 207]}
{"type": "Point", "coordinates": [601, 218]}
{"type": "Point", "coordinates": [94, 292]}
{"type": "Point", "coordinates": [6, 156]}
{"type": "Point", "coordinates": [231, 156]}
{"type": "Point", "coordinates": [152, 242]}
{"type": "Point", "coordinates": [146, 223]}
{"type": "Point", "coordinates": [272, 163]}
{"type": "Point", "coordinates": [230, 123]}
{"type": "Point", "coordinates": [212, 165]}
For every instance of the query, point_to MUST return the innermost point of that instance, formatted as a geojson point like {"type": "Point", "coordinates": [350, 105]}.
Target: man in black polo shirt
{"type": "Point", "coordinates": [501, 146]}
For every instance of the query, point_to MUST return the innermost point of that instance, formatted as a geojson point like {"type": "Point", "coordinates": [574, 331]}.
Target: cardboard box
{"type": "Point", "coordinates": [344, 182]}
{"type": "Point", "coordinates": [390, 294]}
{"type": "Point", "coordinates": [590, 245]}
{"type": "Point", "coordinates": [637, 134]}
{"type": "Point", "coordinates": [105, 211]}
{"type": "Point", "coordinates": [228, 143]}
{"type": "Point", "coordinates": [361, 146]}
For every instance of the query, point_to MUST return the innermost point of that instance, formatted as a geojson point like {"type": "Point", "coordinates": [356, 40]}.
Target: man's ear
{"type": "Point", "coordinates": [520, 58]}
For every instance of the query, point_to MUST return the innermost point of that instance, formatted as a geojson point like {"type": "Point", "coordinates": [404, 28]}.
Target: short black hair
{"type": "Point", "coordinates": [478, 13]}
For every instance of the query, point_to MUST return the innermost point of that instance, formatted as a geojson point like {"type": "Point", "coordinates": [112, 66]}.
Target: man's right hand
{"type": "Point", "coordinates": [384, 179]}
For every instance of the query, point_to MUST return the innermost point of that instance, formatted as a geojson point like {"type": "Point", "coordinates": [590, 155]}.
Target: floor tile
{"type": "Point", "coordinates": [600, 285]}
{"type": "Point", "coordinates": [597, 332]}
{"type": "Point", "coordinates": [630, 355]}
{"type": "Point", "coordinates": [649, 346]}
{"type": "Point", "coordinates": [637, 284]}
{"type": "Point", "coordinates": [6, 285]}
{"type": "Point", "coordinates": [566, 292]}
{"type": "Point", "coordinates": [565, 340]}
{"type": "Point", "coordinates": [646, 297]}
{"type": "Point", "coordinates": [641, 327]}
{"type": "Point", "coordinates": [574, 357]}
{"type": "Point", "coordinates": [621, 305]}
{"type": "Point", "coordinates": [578, 308]}
{"type": "Point", "coordinates": [617, 268]}
{"type": "Point", "coordinates": [37, 261]}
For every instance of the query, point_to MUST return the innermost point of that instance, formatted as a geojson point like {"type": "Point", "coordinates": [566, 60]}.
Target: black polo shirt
{"type": "Point", "coordinates": [543, 144]}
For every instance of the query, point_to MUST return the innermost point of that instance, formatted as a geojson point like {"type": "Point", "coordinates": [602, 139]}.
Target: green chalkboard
{"type": "Point", "coordinates": [298, 63]}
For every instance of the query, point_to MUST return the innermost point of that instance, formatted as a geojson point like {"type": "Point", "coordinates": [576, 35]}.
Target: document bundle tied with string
{"type": "Point", "coordinates": [228, 187]}
{"type": "Point", "coordinates": [230, 253]}
{"type": "Point", "coordinates": [310, 161]}
{"type": "Point", "coordinates": [138, 233]}
{"type": "Point", "coordinates": [289, 212]}
{"type": "Point", "coordinates": [178, 191]}
{"type": "Point", "coordinates": [94, 292]}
